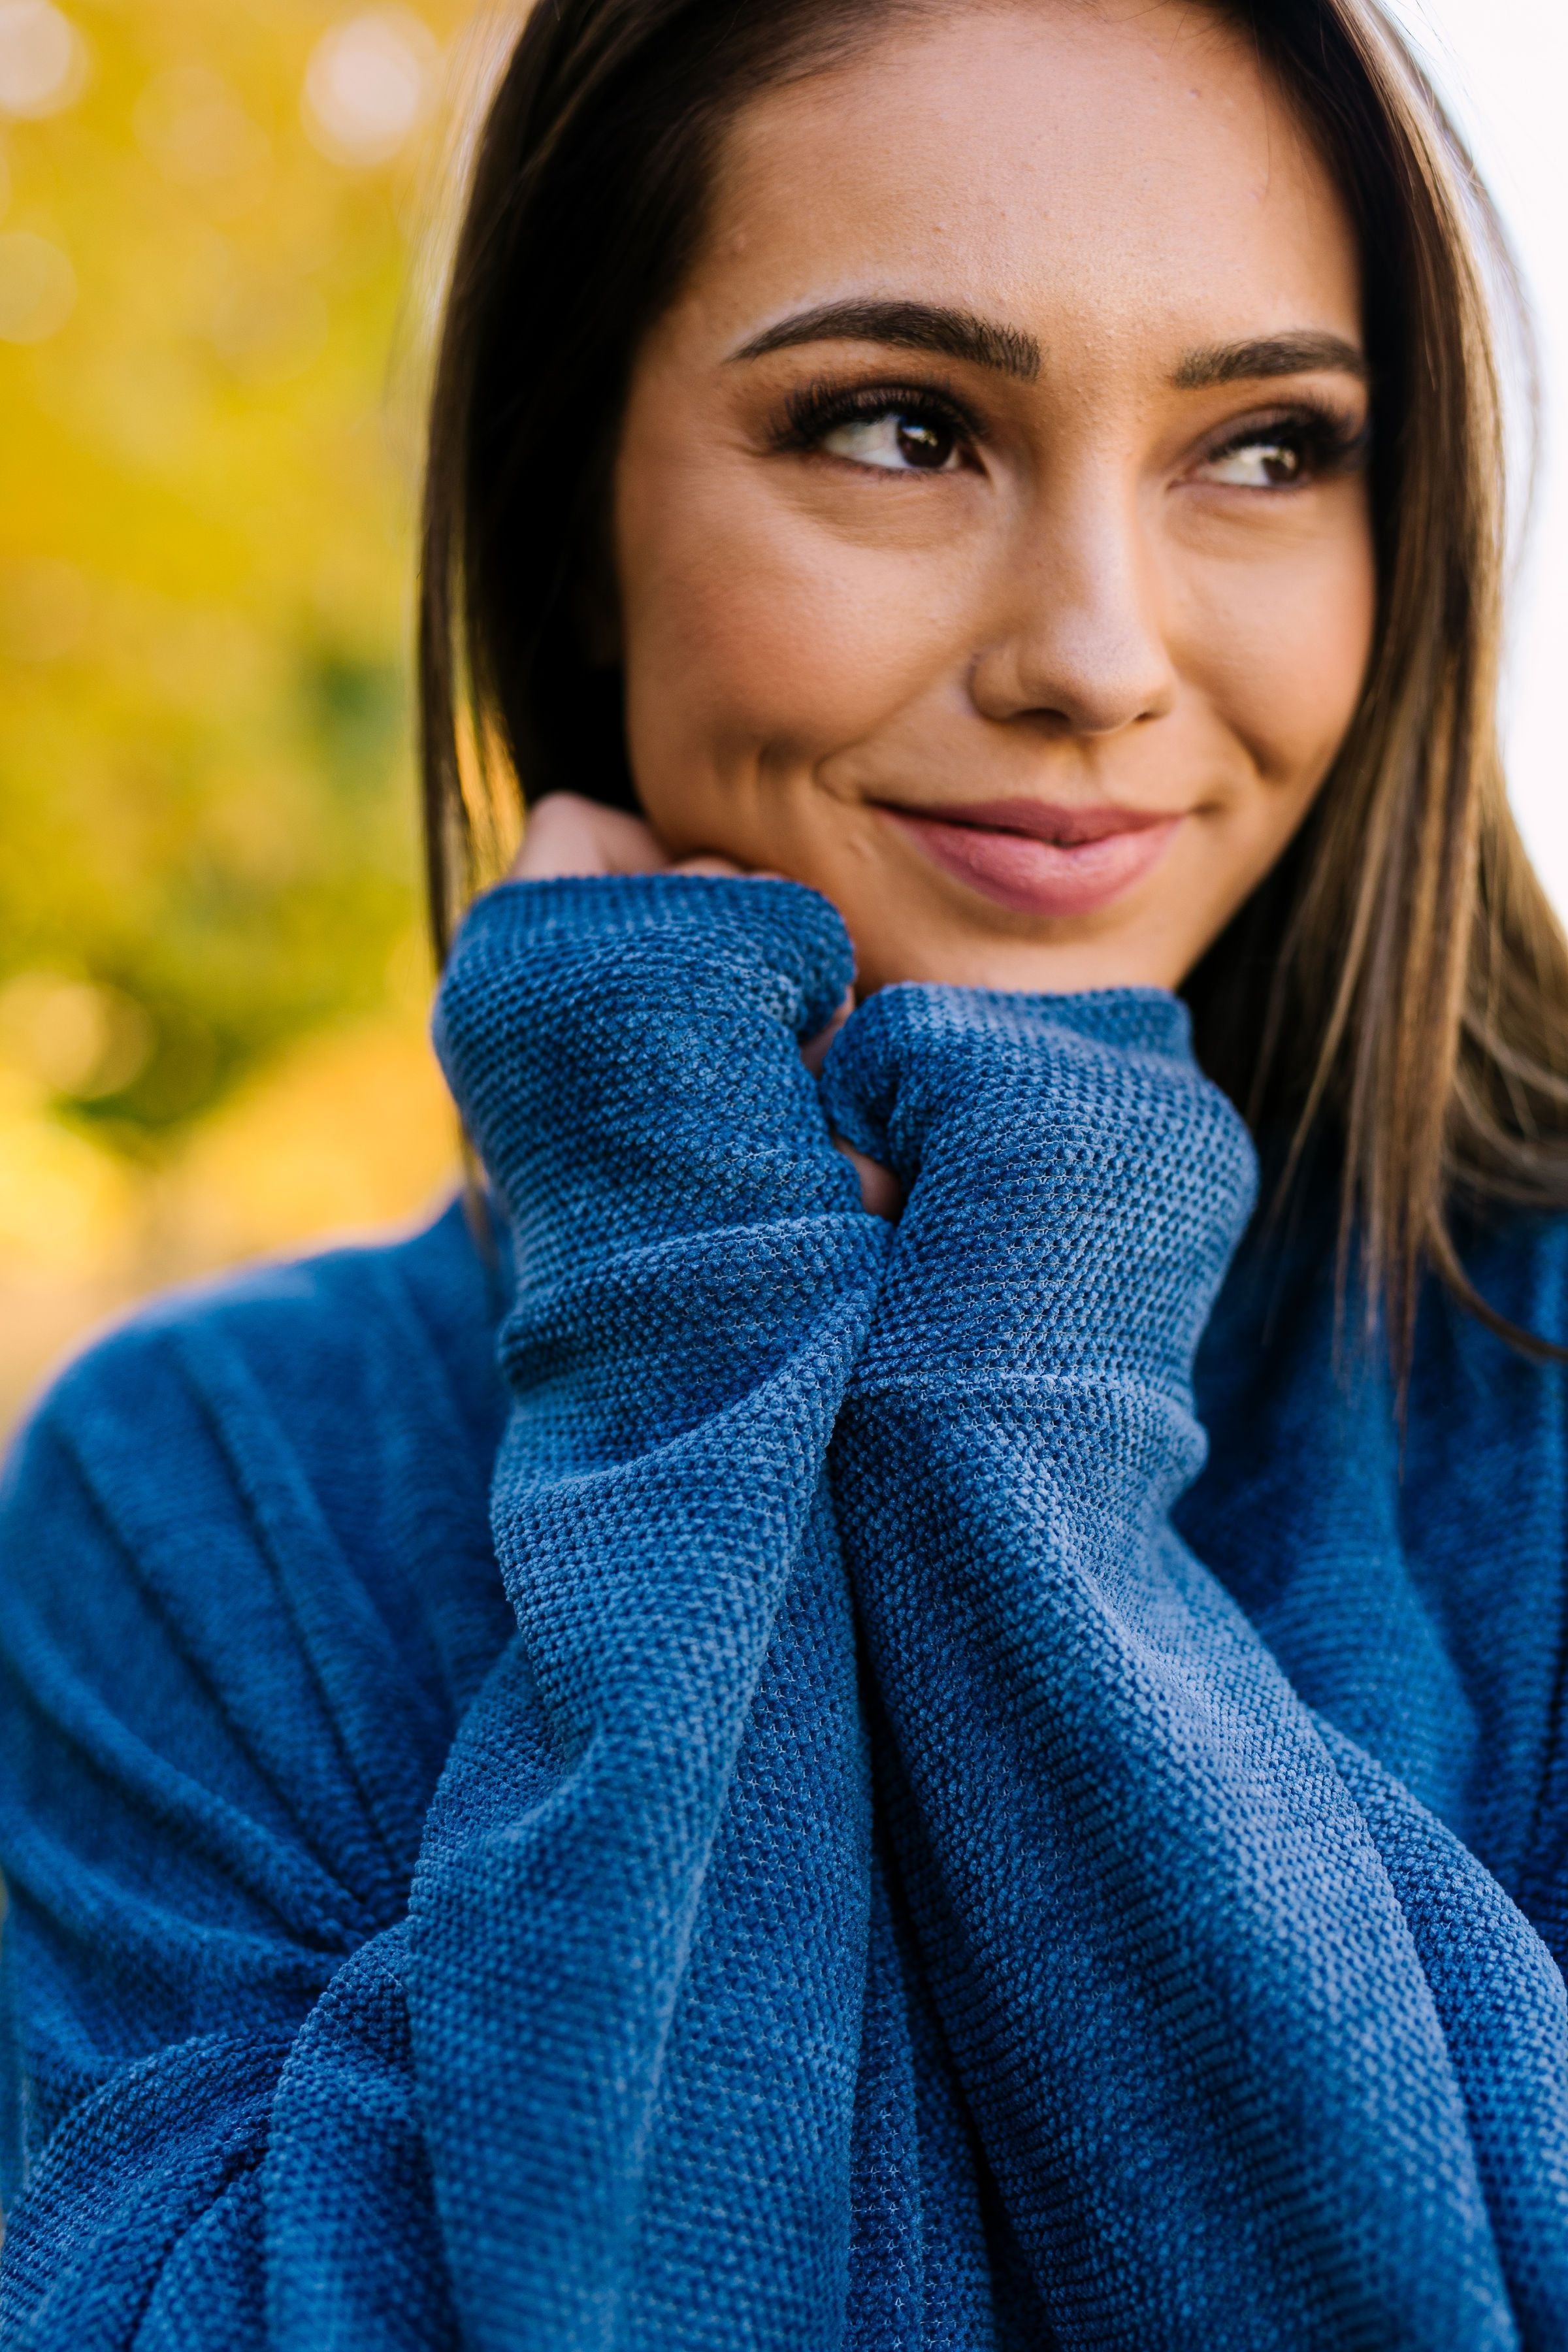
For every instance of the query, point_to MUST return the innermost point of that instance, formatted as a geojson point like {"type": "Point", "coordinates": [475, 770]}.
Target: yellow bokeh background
{"type": "Point", "coordinates": [220, 224]}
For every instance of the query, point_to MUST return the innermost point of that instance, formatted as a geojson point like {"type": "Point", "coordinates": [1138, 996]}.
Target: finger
{"type": "Point", "coordinates": [723, 867]}
{"type": "Point", "coordinates": [880, 1191]}
{"type": "Point", "coordinates": [566, 834]}
{"type": "Point", "coordinates": [814, 1053]}
{"type": "Point", "coordinates": [708, 862]}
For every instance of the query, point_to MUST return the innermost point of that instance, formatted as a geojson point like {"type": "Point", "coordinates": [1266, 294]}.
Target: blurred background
{"type": "Point", "coordinates": [220, 238]}
{"type": "Point", "coordinates": [213, 975]}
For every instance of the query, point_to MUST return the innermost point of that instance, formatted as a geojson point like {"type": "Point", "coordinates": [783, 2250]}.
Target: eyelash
{"type": "Point", "coordinates": [1328, 441]}
{"type": "Point", "coordinates": [818, 409]}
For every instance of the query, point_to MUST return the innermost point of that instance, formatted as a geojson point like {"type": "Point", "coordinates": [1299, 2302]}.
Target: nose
{"type": "Point", "coordinates": [1075, 638]}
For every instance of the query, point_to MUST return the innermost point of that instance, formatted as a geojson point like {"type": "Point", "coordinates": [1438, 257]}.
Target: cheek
{"type": "Point", "coordinates": [747, 644]}
{"type": "Point", "coordinates": [1282, 648]}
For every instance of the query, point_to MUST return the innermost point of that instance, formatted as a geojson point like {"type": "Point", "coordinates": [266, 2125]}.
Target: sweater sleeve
{"type": "Point", "coordinates": [1258, 2054]}
{"type": "Point", "coordinates": [647, 1917]}
{"type": "Point", "coordinates": [299, 2058]}
{"type": "Point", "coordinates": [206, 1837]}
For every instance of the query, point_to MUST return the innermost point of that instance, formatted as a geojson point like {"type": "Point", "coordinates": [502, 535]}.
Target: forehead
{"type": "Point", "coordinates": [1100, 168]}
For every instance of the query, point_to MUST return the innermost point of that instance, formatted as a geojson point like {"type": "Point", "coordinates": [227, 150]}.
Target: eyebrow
{"type": "Point", "coordinates": [1304, 353]}
{"type": "Point", "coordinates": [913, 327]}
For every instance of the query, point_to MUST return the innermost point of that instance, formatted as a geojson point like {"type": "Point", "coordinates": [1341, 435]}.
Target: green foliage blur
{"type": "Point", "coordinates": [206, 481]}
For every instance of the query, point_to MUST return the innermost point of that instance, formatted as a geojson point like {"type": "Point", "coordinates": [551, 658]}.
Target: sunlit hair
{"type": "Point", "coordinates": [1396, 993]}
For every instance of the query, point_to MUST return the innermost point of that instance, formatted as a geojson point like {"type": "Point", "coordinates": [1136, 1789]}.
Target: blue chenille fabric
{"type": "Point", "coordinates": [724, 1774]}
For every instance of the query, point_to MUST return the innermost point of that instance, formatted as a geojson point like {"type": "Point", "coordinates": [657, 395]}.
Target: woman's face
{"type": "Point", "coordinates": [990, 515]}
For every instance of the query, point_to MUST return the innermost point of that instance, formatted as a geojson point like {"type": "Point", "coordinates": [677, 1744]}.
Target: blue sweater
{"type": "Point", "coordinates": [747, 1787]}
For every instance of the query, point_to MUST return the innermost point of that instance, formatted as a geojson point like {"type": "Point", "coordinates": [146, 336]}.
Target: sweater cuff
{"type": "Point", "coordinates": [787, 939]}
{"type": "Point", "coordinates": [1075, 1186]}
{"type": "Point", "coordinates": [625, 1051]}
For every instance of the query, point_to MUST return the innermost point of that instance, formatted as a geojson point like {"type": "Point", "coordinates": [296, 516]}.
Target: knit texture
{"type": "Point", "coordinates": [736, 1776]}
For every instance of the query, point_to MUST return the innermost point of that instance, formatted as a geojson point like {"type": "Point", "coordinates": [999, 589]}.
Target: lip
{"type": "Point", "coordinates": [1034, 856]}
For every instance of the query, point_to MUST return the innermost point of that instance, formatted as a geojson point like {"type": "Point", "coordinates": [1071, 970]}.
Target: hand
{"type": "Point", "coordinates": [566, 834]}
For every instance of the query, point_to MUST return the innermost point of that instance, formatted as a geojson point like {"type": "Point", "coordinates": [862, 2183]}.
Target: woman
{"type": "Point", "coordinates": [802, 1812]}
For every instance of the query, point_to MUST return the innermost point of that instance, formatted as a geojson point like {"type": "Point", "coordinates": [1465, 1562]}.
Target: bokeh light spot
{"type": "Point", "coordinates": [37, 288]}
{"type": "Point", "coordinates": [369, 86]}
{"type": "Point", "coordinates": [268, 329]}
{"type": "Point", "coordinates": [43, 58]}
{"type": "Point", "coordinates": [190, 121]}
{"type": "Point", "coordinates": [73, 1036]}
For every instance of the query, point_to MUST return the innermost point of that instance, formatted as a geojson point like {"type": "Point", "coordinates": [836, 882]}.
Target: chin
{"type": "Point", "coordinates": [1135, 951]}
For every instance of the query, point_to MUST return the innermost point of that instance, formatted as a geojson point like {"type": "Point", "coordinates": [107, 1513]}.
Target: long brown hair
{"type": "Point", "coordinates": [1398, 985]}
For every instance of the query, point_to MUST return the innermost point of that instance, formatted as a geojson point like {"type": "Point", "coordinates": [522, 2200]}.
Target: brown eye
{"type": "Point", "coordinates": [897, 440]}
{"type": "Point", "coordinates": [1269, 463]}
{"type": "Point", "coordinates": [924, 444]}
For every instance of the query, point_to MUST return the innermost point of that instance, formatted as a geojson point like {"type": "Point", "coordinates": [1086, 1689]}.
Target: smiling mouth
{"type": "Point", "coordinates": [1035, 858]}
